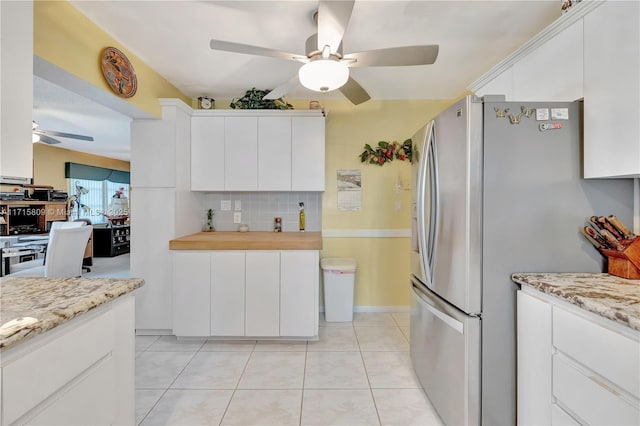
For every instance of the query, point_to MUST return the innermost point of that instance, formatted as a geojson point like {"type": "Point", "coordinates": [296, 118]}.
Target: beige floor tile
{"type": "Point", "coordinates": [324, 323]}
{"type": "Point", "coordinates": [145, 400]}
{"type": "Point", "coordinates": [402, 319]}
{"type": "Point", "coordinates": [352, 407]}
{"type": "Point", "coordinates": [157, 370]}
{"type": "Point", "coordinates": [390, 370]}
{"type": "Point", "coordinates": [335, 339]}
{"type": "Point", "coordinates": [273, 370]}
{"type": "Point", "coordinates": [407, 332]}
{"type": "Point", "coordinates": [381, 339]}
{"type": "Point", "coordinates": [264, 407]}
{"type": "Point", "coordinates": [189, 408]}
{"type": "Point", "coordinates": [373, 319]}
{"type": "Point", "coordinates": [213, 370]}
{"type": "Point", "coordinates": [266, 345]}
{"type": "Point", "coordinates": [172, 344]}
{"type": "Point", "coordinates": [229, 345]}
{"type": "Point", "coordinates": [335, 370]}
{"type": "Point", "coordinates": [400, 407]}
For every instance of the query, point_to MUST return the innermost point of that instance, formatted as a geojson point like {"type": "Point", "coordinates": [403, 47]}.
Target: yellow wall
{"type": "Point", "coordinates": [48, 164]}
{"type": "Point", "coordinates": [382, 277]}
{"type": "Point", "coordinates": [66, 38]}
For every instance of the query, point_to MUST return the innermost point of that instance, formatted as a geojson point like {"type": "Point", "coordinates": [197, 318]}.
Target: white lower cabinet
{"type": "Point", "coordinates": [246, 293]}
{"type": "Point", "coordinates": [227, 293]}
{"type": "Point", "coordinates": [574, 367]}
{"type": "Point", "coordinates": [262, 299]}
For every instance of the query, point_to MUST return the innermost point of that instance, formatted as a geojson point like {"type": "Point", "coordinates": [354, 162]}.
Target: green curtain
{"type": "Point", "coordinates": [83, 171]}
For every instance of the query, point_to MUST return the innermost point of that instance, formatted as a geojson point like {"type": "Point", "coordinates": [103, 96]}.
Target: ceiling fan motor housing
{"type": "Point", "coordinates": [311, 47]}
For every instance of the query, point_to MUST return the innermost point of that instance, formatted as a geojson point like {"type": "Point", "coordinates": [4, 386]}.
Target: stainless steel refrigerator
{"type": "Point", "coordinates": [498, 189]}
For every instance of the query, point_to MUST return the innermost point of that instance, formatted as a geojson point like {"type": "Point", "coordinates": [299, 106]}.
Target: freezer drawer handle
{"type": "Point", "coordinates": [449, 320]}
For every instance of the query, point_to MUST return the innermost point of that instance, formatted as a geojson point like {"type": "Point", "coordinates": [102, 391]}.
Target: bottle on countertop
{"type": "Point", "coordinates": [301, 216]}
{"type": "Point", "coordinates": [277, 224]}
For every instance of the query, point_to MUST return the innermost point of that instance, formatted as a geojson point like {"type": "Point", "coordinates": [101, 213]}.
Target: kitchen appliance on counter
{"type": "Point", "coordinates": [497, 190]}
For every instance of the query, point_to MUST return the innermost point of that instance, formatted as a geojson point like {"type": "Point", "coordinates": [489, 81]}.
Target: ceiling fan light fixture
{"type": "Point", "coordinates": [323, 75]}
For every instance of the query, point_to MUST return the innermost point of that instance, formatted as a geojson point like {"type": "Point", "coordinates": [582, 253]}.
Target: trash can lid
{"type": "Point", "coordinates": [338, 263]}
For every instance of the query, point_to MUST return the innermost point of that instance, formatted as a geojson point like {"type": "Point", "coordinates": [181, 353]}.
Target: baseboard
{"type": "Point", "coordinates": [361, 308]}
{"type": "Point", "coordinates": [153, 332]}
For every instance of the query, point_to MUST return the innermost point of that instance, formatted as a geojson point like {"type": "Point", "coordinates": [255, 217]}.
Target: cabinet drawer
{"type": "Point", "coordinates": [559, 417]}
{"type": "Point", "coordinates": [602, 350]}
{"type": "Point", "coordinates": [586, 395]}
{"type": "Point", "coordinates": [69, 351]}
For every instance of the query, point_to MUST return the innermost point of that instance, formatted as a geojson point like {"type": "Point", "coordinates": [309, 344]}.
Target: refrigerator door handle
{"type": "Point", "coordinates": [425, 255]}
{"type": "Point", "coordinates": [445, 318]}
{"type": "Point", "coordinates": [434, 194]}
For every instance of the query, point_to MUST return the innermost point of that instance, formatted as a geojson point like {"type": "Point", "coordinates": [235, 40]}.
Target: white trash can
{"type": "Point", "coordinates": [339, 277]}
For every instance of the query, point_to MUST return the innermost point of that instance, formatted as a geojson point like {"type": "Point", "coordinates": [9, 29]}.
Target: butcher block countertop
{"type": "Point", "coordinates": [253, 240]}
{"type": "Point", "coordinates": [615, 298]}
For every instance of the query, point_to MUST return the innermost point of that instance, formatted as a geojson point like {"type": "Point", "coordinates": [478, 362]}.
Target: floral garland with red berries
{"type": "Point", "coordinates": [386, 152]}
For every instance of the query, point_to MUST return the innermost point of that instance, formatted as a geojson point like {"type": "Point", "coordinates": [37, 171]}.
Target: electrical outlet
{"type": "Point", "coordinates": [238, 206]}
{"type": "Point", "coordinates": [237, 217]}
{"type": "Point", "coordinates": [225, 205]}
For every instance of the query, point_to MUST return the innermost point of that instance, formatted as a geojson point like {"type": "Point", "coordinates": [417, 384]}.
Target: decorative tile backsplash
{"type": "Point", "coordinates": [258, 210]}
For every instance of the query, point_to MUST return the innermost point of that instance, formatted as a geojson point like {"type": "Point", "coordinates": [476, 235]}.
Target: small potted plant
{"type": "Point", "coordinates": [209, 225]}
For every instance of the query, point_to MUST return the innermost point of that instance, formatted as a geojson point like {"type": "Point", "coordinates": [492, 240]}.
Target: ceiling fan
{"type": "Point", "coordinates": [46, 136]}
{"type": "Point", "coordinates": [325, 67]}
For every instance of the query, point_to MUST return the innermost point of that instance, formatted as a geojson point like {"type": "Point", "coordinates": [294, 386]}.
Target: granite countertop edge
{"type": "Point", "coordinates": [53, 302]}
{"type": "Point", "coordinates": [611, 297]}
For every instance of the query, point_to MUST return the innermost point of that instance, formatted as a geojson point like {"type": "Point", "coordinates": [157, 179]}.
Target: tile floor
{"type": "Point", "coordinates": [356, 374]}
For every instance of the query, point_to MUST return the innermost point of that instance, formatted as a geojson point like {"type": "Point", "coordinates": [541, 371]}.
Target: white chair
{"type": "Point", "coordinates": [64, 252]}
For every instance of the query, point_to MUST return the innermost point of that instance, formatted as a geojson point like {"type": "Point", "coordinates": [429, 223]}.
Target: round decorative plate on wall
{"type": "Point", "coordinates": [118, 72]}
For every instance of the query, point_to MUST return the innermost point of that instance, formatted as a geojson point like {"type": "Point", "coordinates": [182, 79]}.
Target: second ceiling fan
{"type": "Point", "coordinates": [325, 66]}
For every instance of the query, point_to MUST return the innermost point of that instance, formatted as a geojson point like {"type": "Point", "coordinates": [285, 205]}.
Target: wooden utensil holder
{"type": "Point", "coordinates": [626, 263]}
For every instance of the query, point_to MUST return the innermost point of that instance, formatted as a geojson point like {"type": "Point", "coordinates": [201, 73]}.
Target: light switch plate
{"type": "Point", "coordinates": [225, 205]}
{"type": "Point", "coordinates": [238, 206]}
{"type": "Point", "coordinates": [237, 217]}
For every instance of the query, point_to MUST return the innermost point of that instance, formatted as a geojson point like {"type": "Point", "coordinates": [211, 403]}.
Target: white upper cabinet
{"type": "Point", "coordinates": [307, 153]}
{"type": "Point", "coordinates": [207, 153]}
{"type": "Point", "coordinates": [274, 153]}
{"type": "Point", "coordinates": [553, 71]}
{"type": "Point", "coordinates": [612, 90]}
{"type": "Point", "coordinates": [263, 151]}
{"type": "Point", "coordinates": [241, 153]}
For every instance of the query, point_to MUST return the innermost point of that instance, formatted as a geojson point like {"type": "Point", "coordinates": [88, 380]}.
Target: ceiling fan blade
{"type": "Point", "coordinates": [354, 92]}
{"type": "Point", "coordinates": [49, 140]}
{"type": "Point", "coordinates": [62, 135]}
{"type": "Point", "coordinates": [395, 56]}
{"type": "Point", "coordinates": [333, 18]}
{"type": "Point", "coordinates": [228, 46]}
{"type": "Point", "coordinates": [283, 89]}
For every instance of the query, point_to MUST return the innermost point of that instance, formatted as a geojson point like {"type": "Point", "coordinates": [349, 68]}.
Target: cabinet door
{"type": "Point", "coordinates": [207, 153]}
{"type": "Point", "coordinates": [262, 293]}
{"type": "Point", "coordinates": [227, 293]}
{"type": "Point", "coordinates": [241, 154]}
{"type": "Point", "coordinates": [153, 154]}
{"type": "Point", "coordinates": [307, 153]}
{"type": "Point", "coordinates": [299, 275]}
{"type": "Point", "coordinates": [191, 294]}
{"type": "Point", "coordinates": [552, 72]}
{"type": "Point", "coordinates": [534, 360]}
{"type": "Point", "coordinates": [612, 90]}
{"type": "Point", "coordinates": [274, 154]}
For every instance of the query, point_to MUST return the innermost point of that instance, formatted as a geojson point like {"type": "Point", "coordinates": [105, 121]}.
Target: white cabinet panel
{"type": "Point", "coordinates": [262, 293]}
{"type": "Point", "coordinates": [227, 293]}
{"type": "Point", "coordinates": [153, 156]}
{"type": "Point", "coordinates": [152, 225]}
{"type": "Point", "coordinates": [299, 293]}
{"type": "Point", "coordinates": [274, 153]}
{"type": "Point", "coordinates": [307, 153]}
{"type": "Point", "coordinates": [191, 294]}
{"type": "Point", "coordinates": [500, 85]}
{"type": "Point", "coordinates": [207, 153]}
{"type": "Point", "coordinates": [559, 417]}
{"type": "Point", "coordinates": [534, 360]}
{"type": "Point", "coordinates": [241, 153]}
{"type": "Point", "coordinates": [552, 72]}
{"type": "Point", "coordinates": [612, 90]}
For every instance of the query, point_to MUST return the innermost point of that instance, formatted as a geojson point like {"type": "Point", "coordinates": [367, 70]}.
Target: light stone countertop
{"type": "Point", "coordinates": [31, 306]}
{"type": "Point", "coordinates": [615, 298]}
